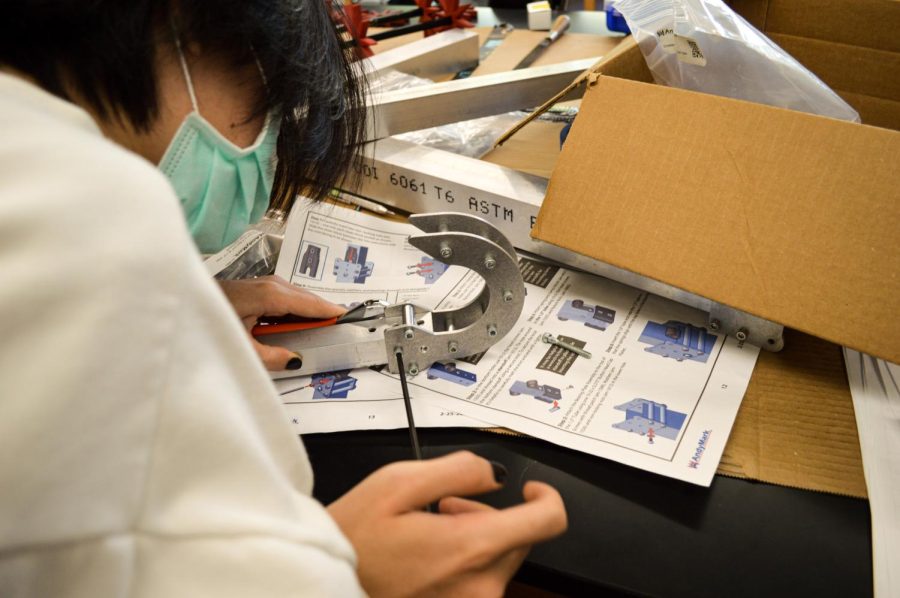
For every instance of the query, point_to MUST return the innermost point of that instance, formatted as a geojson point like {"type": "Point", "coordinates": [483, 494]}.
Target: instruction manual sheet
{"type": "Point", "coordinates": [659, 391]}
{"type": "Point", "coordinates": [349, 257]}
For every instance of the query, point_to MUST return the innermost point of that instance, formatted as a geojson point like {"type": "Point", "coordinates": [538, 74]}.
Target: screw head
{"type": "Point", "coordinates": [408, 333]}
{"type": "Point", "coordinates": [741, 334]}
{"type": "Point", "coordinates": [507, 296]}
{"type": "Point", "coordinates": [453, 347]}
{"type": "Point", "coordinates": [489, 263]}
{"type": "Point", "coordinates": [492, 330]}
{"type": "Point", "coordinates": [446, 252]}
{"type": "Point", "coordinates": [413, 369]}
{"type": "Point", "coordinates": [424, 348]}
{"type": "Point", "coordinates": [715, 324]}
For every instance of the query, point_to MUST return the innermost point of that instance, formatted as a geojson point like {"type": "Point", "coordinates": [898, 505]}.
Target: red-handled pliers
{"type": "Point", "coordinates": [373, 308]}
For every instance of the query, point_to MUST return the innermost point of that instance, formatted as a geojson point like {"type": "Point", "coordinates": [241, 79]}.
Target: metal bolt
{"type": "Point", "coordinates": [453, 347]}
{"type": "Point", "coordinates": [715, 324]}
{"type": "Point", "coordinates": [507, 296]}
{"type": "Point", "coordinates": [424, 348]}
{"type": "Point", "coordinates": [408, 333]}
{"type": "Point", "coordinates": [492, 330]}
{"type": "Point", "coordinates": [446, 252]}
{"type": "Point", "coordinates": [741, 334]}
{"type": "Point", "coordinates": [489, 263]}
{"type": "Point", "coordinates": [413, 369]}
{"type": "Point", "coordinates": [550, 339]}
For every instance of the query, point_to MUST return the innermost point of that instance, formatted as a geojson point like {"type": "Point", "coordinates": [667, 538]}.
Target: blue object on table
{"type": "Point", "coordinates": [563, 134]}
{"type": "Point", "coordinates": [615, 21]}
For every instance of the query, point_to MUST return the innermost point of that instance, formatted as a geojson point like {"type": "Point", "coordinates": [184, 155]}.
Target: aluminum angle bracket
{"type": "Point", "coordinates": [373, 333]}
{"type": "Point", "coordinates": [426, 106]}
{"type": "Point", "coordinates": [440, 54]}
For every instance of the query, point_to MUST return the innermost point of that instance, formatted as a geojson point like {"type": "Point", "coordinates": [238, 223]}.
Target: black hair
{"type": "Point", "coordinates": [105, 52]}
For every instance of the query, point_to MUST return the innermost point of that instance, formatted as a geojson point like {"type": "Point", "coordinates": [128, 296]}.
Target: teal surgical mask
{"type": "Point", "coordinates": [223, 188]}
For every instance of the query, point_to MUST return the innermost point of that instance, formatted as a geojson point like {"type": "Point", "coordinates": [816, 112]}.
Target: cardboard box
{"type": "Point", "coordinates": [852, 45]}
{"type": "Point", "coordinates": [788, 216]}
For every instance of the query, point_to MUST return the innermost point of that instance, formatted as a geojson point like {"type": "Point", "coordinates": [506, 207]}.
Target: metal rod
{"type": "Point", "coordinates": [413, 437]}
{"type": "Point", "coordinates": [409, 314]}
{"type": "Point", "coordinates": [421, 26]}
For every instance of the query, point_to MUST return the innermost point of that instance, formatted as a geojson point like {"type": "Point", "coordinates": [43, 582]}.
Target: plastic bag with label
{"type": "Point", "coordinates": [703, 45]}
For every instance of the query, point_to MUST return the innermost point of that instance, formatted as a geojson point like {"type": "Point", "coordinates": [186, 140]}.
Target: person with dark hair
{"type": "Point", "coordinates": [202, 90]}
{"type": "Point", "coordinates": [143, 449]}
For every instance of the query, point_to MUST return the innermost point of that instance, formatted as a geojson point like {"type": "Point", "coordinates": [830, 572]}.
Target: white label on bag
{"type": "Point", "coordinates": [219, 261]}
{"type": "Point", "coordinates": [666, 37]}
{"type": "Point", "coordinates": [688, 51]}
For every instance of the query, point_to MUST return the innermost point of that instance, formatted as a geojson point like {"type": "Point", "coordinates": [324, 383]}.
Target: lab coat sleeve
{"type": "Point", "coordinates": [143, 450]}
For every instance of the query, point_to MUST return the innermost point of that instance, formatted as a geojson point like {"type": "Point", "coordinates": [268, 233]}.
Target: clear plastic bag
{"type": "Point", "coordinates": [392, 80]}
{"type": "Point", "coordinates": [703, 45]}
{"type": "Point", "coordinates": [473, 138]}
{"type": "Point", "coordinates": [253, 254]}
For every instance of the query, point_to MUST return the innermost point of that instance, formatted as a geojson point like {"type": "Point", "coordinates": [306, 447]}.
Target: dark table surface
{"type": "Point", "coordinates": [635, 533]}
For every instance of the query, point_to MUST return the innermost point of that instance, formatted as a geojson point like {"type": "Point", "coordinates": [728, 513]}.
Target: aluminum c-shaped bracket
{"type": "Point", "coordinates": [473, 243]}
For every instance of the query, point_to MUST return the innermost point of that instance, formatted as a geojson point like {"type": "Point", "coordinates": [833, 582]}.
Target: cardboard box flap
{"type": "Point", "coordinates": [785, 215]}
{"type": "Point", "coordinates": [847, 68]}
{"type": "Point", "coordinates": [866, 23]}
{"type": "Point", "coordinates": [796, 425]}
{"type": "Point", "coordinates": [874, 111]}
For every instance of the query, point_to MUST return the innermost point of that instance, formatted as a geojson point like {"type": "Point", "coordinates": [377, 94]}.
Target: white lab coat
{"type": "Point", "coordinates": [143, 450]}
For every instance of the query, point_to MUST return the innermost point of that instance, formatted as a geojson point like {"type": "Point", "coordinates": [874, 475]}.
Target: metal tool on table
{"type": "Point", "coordinates": [374, 333]}
{"type": "Point", "coordinates": [560, 25]}
{"type": "Point", "coordinates": [494, 39]}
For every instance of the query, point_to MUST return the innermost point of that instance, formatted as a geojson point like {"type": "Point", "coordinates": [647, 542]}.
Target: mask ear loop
{"type": "Point", "coordinates": [184, 68]}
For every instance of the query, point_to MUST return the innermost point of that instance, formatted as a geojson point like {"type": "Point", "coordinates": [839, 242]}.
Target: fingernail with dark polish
{"type": "Point", "coordinates": [500, 472]}
{"type": "Point", "coordinates": [295, 363]}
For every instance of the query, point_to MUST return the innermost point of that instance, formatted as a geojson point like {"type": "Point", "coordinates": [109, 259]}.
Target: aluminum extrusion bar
{"type": "Point", "coordinates": [419, 179]}
{"type": "Point", "coordinates": [426, 106]}
{"type": "Point", "coordinates": [441, 54]}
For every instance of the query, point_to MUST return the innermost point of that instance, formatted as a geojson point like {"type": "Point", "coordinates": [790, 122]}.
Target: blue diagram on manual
{"type": "Point", "coordinates": [353, 268]}
{"type": "Point", "coordinates": [333, 385]}
{"type": "Point", "coordinates": [649, 418]}
{"type": "Point", "coordinates": [678, 340]}
{"type": "Point", "coordinates": [592, 316]}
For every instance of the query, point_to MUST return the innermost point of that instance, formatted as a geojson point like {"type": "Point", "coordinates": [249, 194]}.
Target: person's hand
{"type": "Point", "coordinates": [274, 296]}
{"type": "Point", "coordinates": [468, 549]}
